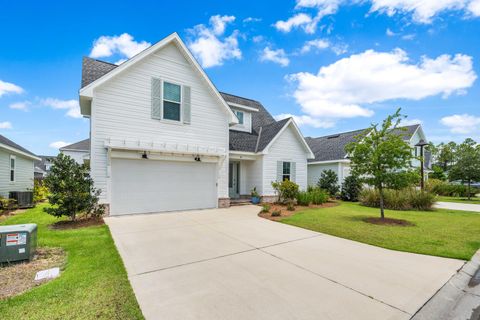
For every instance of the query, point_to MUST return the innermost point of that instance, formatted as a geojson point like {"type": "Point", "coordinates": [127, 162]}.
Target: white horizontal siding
{"type": "Point", "coordinates": [121, 109]}
{"type": "Point", "coordinates": [23, 174]}
{"type": "Point", "coordinates": [78, 156]}
{"type": "Point", "coordinates": [287, 147]}
{"type": "Point", "coordinates": [315, 170]}
{"type": "Point", "coordinates": [253, 175]}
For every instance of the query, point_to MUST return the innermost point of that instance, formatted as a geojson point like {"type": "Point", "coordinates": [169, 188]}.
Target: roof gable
{"type": "Point", "coordinates": [9, 144]}
{"type": "Point", "coordinates": [83, 145]}
{"type": "Point", "coordinates": [104, 74]}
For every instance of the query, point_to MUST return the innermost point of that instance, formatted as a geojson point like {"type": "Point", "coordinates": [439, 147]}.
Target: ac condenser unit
{"type": "Point", "coordinates": [18, 242]}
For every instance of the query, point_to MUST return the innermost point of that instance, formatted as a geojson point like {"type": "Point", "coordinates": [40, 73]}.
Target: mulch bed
{"type": "Point", "coordinates": [16, 278]}
{"type": "Point", "coordinates": [389, 222]}
{"type": "Point", "coordinates": [287, 213]}
{"type": "Point", "coordinates": [79, 223]}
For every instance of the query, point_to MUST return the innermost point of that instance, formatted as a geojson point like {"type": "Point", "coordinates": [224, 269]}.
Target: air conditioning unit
{"type": "Point", "coordinates": [24, 199]}
{"type": "Point", "coordinates": [18, 242]}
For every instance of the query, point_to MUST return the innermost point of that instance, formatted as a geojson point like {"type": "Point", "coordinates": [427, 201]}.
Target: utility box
{"type": "Point", "coordinates": [24, 199]}
{"type": "Point", "coordinates": [18, 242]}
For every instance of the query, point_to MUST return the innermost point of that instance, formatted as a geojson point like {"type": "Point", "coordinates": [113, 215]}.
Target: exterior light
{"type": "Point", "coordinates": [144, 155]}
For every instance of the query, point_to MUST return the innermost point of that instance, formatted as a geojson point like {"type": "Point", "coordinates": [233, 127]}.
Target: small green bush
{"type": "Point", "coordinates": [290, 207]}
{"type": "Point", "coordinates": [351, 188]}
{"type": "Point", "coordinates": [406, 199]}
{"type": "Point", "coordinates": [7, 204]}
{"type": "Point", "coordinates": [304, 198]}
{"type": "Point", "coordinates": [40, 191]}
{"type": "Point", "coordinates": [329, 181]}
{"type": "Point", "coordinates": [318, 196]}
{"type": "Point", "coordinates": [265, 207]}
{"type": "Point", "coordinates": [442, 188]}
{"type": "Point", "coordinates": [287, 190]}
{"type": "Point", "coordinates": [276, 213]}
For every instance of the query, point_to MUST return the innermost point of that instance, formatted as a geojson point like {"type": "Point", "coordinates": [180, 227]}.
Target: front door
{"type": "Point", "coordinates": [233, 179]}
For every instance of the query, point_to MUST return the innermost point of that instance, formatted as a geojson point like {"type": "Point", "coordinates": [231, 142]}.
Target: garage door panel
{"type": "Point", "coordinates": [140, 186]}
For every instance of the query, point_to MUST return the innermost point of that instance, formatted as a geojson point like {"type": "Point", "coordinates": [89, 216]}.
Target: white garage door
{"type": "Point", "coordinates": [141, 186]}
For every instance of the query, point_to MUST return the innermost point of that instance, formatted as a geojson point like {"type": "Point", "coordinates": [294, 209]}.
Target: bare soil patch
{"type": "Point", "coordinates": [9, 213]}
{"type": "Point", "coordinates": [79, 223]}
{"type": "Point", "coordinates": [389, 222]}
{"type": "Point", "coordinates": [16, 278]}
{"type": "Point", "coordinates": [287, 213]}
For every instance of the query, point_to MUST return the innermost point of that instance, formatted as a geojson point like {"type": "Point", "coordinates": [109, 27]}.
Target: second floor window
{"type": "Point", "coordinates": [172, 99]}
{"type": "Point", "coordinates": [239, 115]}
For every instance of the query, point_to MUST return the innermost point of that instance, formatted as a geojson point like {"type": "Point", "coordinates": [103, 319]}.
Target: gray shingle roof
{"type": "Point", "coordinates": [10, 143]}
{"type": "Point", "coordinates": [42, 164]}
{"type": "Point", "coordinates": [93, 69]}
{"type": "Point", "coordinates": [332, 147]}
{"type": "Point", "coordinates": [83, 145]}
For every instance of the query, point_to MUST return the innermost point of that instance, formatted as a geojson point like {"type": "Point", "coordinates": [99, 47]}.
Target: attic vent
{"type": "Point", "coordinates": [333, 137]}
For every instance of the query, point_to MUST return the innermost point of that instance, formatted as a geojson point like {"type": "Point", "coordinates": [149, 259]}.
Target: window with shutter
{"type": "Point", "coordinates": [156, 98]}
{"type": "Point", "coordinates": [171, 101]}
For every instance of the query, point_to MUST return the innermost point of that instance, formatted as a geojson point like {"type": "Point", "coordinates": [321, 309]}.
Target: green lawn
{"type": "Point", "coordinates": [94, 284]}
{"type": "Point", "coordinates": [475, 200]}
{"type": "Point", "coordinates": [445, 233]}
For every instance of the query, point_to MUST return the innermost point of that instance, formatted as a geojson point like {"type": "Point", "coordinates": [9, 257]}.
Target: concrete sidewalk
{"type": "Point", "coordinates": [458, 206]}
{"type": "Point", "coordinates": [231, 264]}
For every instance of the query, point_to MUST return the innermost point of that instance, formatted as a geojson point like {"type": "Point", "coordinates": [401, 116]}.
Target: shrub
{"type": "Point", "coordinates": [442, 188]}
{"type": "Point", "coordinates": [304, 198]}
{"type": "Point", "coordinates": [265, 207]}
{"type": "Point", "coordinates": [72, 190]}
{"type": "Point", "coordinates": [276, 213]}
{"type": "Point", "coordinates": [7, 204]}
{"type": "Point", "coordinates": [290, 207]}
{"type": "Point", "coordinates": [318, 196]}
{"type": "Point", "coordinates": [287, 190]}
{"type": "Point", "coordinates": [351, 188]}
{"type": "Point", "coordinates": [406, 199]}
{"type": "Point", "coordinates": [329, 181]}
{"type": "Point", "coordinates": [40, 191]}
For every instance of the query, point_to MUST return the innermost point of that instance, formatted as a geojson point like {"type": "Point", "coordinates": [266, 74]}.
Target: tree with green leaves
{"type": "Point", "coordinates": [381, 157]}
{"type": "Point", "coordinates": [329, 181]}
{"type": "Point", "coordinates": [71, 189]}
{"type": "Point", "coordinates": [466, 166]}
{"type": "Point", "coordinates": [446, 155]}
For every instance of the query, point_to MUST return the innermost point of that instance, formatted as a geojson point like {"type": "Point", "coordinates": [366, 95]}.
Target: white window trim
{"type": "Point", "coordinates": [14, 169]}
{"type": "Point", "coordinates": [289, 169]}
{"type": "Point", "coordinates": [243, 117]}
{"type": "Point", "coordinates": [180, 103]}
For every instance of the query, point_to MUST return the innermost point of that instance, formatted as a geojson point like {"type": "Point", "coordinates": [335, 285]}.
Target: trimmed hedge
{"type": "Point", "coordinates": [406, 199]}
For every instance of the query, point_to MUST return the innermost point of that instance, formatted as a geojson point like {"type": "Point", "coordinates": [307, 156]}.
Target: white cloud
{"type": "Point", "coordinates": [72, 106]}
{"type": "Point", "coordinates": [461, 123]}
{"type": "Point", "coordinates": [5, 125]}
{"type": "Point", "coordinates": [305, 120]}
{"type": "Point", "coordinates": [210, 46]}
{"type": "Point", "coordinates": [20, 105]}
{"type": "Point", "coordinates": [299, 20]}
{"type": "Point", "coordinates": [7, 87]}
{"type": "Point", "coordinates": [123, 45]}
{"type": "Point", "coordinates": [277, 56]}
{"type": "Point", "coordinates": [342, 89]}
{"type": "Point", "coordinates": [252, 19]}
{"type": "Point", "coordinates": [424, 11]}
{"type": "Point", "coordinates": [409, 36]}
{"type": "Point", "coordinates": [258, 39]}
{"type": "Point", "coordinates": [317, 44]}
{"type": "Point", "coordinates": [390, 33]}
{"type": "Point", "coordinates": [58, 144]}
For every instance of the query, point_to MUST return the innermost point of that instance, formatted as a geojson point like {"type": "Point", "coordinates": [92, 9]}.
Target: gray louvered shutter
{"type": "Point", "coordinates": [186, 104]}
{"type": "Point", "coordinates": [279, 171]}
{"type": "Point", "coordinates": [156, 98]}
{"type": "Point", "coordinates": [293, 171]}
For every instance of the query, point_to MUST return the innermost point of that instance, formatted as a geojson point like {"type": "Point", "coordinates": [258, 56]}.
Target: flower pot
{"type": "Point", "coordinates": [255, 200]}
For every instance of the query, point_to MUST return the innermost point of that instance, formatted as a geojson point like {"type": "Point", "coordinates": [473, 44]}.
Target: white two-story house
{"type": "Point", "coordinates": [163, 138]}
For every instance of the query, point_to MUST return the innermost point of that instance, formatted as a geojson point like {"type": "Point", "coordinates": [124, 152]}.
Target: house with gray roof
{"type": "Point", "coordinates": [163, 137]}
{"type": "Point", "coordinates": [78, 151]}
{"type": "Point", "coordinates": [330, 151]}
{"type": "Point", "coordinates": [16, 167]}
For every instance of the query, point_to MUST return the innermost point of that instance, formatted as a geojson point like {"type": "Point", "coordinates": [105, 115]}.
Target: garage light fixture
{"type": "Point", "coordinates": [197, 158]}
{"type": "Point", "coordinates": [144, 155]}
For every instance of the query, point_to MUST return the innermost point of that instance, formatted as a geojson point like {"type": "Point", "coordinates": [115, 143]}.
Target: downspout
{"type": "Point", "coordinates": [258, 139]}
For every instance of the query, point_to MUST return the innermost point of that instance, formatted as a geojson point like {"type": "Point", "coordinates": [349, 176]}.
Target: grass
{"type": "Point", "coordinates": [473, 200]}
{"type": "Point", "coordinates": [93, 285]}
{"type": "Point", "coordinates": [444, 233]}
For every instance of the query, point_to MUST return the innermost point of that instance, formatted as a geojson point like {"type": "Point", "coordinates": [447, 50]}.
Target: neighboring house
{"type": "Point", "coordinates": [78, 151]}
{"type": "Point", "coordinates": [163, 138]}
{"type": "Point", "coordinates": [16, 167]}
{"type": "Point", "coordinates": [330, 152]}
{"type": "Point", "coordinates": [42, 166]}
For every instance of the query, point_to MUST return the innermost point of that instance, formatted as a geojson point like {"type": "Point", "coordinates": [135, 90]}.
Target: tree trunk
{"type": "Point", "coordinates": [382, 213]}
{"type": "Point", "coordinates": [468, 189]}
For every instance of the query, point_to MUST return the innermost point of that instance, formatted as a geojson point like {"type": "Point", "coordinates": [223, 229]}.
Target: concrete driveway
{"type": "Point", "coordinates": [231, 264]}
{"type": "Point", "coordinates": [458, 206]}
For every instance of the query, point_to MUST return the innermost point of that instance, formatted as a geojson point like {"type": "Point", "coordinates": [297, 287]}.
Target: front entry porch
{"type": "Point", "coordinates": [243, 176]}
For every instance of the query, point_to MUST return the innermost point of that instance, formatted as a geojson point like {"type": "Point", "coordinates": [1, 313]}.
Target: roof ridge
{"type": "Point", "coordinates": [234, 95]}
{"type": "Point", "coordinates": [340, 133]}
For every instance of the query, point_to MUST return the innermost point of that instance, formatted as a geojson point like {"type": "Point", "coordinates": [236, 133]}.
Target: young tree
{"type": "Point", "coordinates": [71, 189]}
{"type": "Point", "coordinates": [467, 164]}
{"type": "Point", "coordinates": [446, 155]}
{"type": "Point", "coordinates": [381, 157]}
{"type": "Point", "coordinates": [329, 181]}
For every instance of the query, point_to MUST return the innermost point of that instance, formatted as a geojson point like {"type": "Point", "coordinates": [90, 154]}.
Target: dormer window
{"type": "Point", "coordinates": [171, 101]}
{"type": "Point", "coordinates": [239, 115]}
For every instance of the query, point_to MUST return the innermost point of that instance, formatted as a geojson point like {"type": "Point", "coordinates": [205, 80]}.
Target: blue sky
{"type": "Point", "coordinates": [336, 65]}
